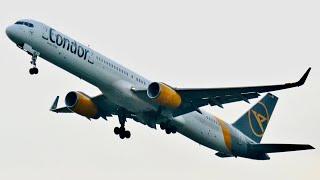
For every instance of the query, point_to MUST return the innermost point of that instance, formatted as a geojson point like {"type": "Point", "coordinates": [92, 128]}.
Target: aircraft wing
{"type": "Point", "coordinates": [193, 98]}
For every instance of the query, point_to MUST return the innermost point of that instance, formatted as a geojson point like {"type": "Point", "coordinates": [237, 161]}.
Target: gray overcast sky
{"type": "Point", "coordinates": [182, 43]}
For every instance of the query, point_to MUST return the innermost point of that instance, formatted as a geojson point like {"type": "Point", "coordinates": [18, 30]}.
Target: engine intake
{"type": "Point", "coordinates": [164, 95]}
{"type": "Point", "coordinates": [82, 104]}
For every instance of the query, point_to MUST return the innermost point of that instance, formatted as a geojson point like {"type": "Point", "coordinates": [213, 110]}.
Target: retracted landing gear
{"type": "Point", "coordinates": [34, 69]}
{"type": "Point", "coordinates": [121, 131]}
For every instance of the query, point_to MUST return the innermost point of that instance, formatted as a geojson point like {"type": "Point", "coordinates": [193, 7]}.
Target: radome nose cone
{"type": "Point", "coordinates": [9, 32]}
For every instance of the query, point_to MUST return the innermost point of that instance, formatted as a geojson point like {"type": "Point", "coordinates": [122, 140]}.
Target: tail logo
{"type": "Point", "coordinates": [258, 119]}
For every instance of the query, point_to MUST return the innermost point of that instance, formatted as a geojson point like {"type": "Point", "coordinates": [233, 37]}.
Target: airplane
{"type": "Point", "coordinates": [128, 95]}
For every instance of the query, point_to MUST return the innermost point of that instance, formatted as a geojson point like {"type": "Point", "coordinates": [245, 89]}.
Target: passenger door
{"type": "Point", "coordinates": [45, 32]}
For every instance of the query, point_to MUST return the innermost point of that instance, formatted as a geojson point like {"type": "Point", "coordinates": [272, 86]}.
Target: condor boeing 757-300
{"type": "Point", "coordinates": [130, 96]}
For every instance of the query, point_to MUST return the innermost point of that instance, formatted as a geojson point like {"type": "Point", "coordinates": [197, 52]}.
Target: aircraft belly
{"type": "Point", "coordinates": [194, 126]}
{"type": "Point", "coordinates": [120, 93]}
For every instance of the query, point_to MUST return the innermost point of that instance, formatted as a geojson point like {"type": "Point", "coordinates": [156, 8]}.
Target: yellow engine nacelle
{"type": "Point", "coordinates": [82, 104]}
{"type": "Point", "coordinates": [164, 95]}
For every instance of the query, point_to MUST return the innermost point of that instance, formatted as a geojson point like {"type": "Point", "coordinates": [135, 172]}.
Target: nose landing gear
{"type": "Point", "coordinates": [27, 48]}
{"type": "Point", "coordinates": [34, 69]}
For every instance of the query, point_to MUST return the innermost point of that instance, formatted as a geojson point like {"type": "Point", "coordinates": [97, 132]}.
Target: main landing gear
{"type": "Point", "coordinates": [34, 69]}
{"type": "Point", "coordinates": [121, 131]}
{"type": "Point", "coordinates": [169, 129]}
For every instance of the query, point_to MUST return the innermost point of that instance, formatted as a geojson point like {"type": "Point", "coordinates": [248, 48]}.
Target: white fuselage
{"type": "Point", "coordinates": [116, 82]}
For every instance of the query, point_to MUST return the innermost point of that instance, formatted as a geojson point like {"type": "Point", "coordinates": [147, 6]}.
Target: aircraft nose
{"type": "Point", "coordinates": [14, 34]}
{"type": "Point", "coordinates": [9, 31]}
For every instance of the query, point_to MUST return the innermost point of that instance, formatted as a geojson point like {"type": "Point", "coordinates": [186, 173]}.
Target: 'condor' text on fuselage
{"type": "Point", "coordinates": [66, 43]}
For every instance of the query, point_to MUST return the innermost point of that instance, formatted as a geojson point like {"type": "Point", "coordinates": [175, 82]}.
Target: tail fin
{"type": "Point", "coordinates": [254, 122]}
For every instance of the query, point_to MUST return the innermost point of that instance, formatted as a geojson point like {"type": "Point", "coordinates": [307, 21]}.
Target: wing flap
{"type": "Point", "coordinates": [214, 101]}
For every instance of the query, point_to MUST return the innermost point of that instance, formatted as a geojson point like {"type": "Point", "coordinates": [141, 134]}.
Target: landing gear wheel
{"type": "Point", "coordinates": [122, 136]}
{"type": "Point", "coordinates": [116, 130]}
{"type": "Point", "coordinates": [162, 126]}
{"type": "Point", "coordinates": [127, 134]}
{"type": "Point", "coordinates": [168, 128]}
{"type": "Point", "coordinates": [31, 71]}
{"type": "Point", "coordinates": [174, 130]}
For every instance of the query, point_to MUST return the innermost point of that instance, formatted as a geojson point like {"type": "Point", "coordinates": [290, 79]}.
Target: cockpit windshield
{"type": "Point", "coordinates": [25, 23]}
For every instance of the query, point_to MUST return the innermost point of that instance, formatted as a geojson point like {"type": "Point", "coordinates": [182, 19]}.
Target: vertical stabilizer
{"type": "Point", "coordinates": [254, 122]}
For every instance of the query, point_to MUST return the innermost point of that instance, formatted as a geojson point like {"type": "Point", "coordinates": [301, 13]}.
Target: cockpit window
{"type": "Point", "coordinates": [19, 22]}
{"type": "Point", "coordinates": [25, 23]}
{"type": "Point", "coordinates": [28, 24]}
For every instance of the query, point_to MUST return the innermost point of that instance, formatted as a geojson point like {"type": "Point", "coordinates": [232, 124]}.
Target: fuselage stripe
{"type": "Point", "coordinates": [226, 134]}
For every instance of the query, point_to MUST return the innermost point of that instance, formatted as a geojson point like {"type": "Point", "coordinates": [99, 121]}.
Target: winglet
{"type": "Point", "coordinates": [55, 103]}
{"type": "Point", "coordinates": [303, 78]}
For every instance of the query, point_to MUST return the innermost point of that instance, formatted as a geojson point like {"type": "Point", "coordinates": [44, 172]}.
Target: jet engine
{"type": "Point", "coordinates": [82, 104]}
{"type": "Point", "coordinates": [164, 95]}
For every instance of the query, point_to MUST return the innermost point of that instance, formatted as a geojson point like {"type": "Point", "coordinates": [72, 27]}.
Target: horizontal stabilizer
{"type": "Point", "coordinates": [274, 148]}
